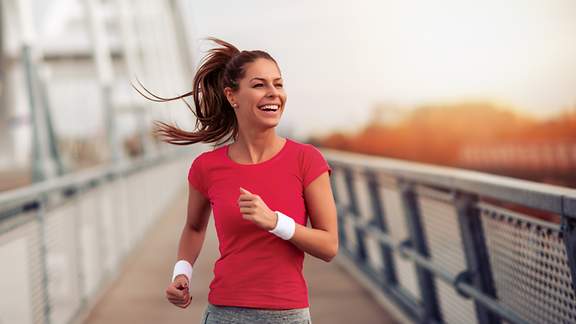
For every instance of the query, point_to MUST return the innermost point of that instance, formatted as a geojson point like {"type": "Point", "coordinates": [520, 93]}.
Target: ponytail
{"type": "Point", "coordinates": [215, 118]}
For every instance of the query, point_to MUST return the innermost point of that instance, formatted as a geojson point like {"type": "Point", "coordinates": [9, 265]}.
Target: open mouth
{"type": "Point", "coordinates": [269, 108]}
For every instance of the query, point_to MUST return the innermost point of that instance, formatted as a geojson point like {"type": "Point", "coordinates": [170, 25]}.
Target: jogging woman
{"type": "Point", "coordinates": [261, 188]}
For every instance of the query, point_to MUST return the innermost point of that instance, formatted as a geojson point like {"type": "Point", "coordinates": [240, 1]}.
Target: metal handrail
{"type": "Point", "coordinates": [22, 196]}
{"type": "Point", "coordinates": [541, 196]}
{"type": "Point", "coordinates": [412, 179]}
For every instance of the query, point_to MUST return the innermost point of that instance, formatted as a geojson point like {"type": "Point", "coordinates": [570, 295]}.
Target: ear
{"type": "Point", "coordinates": [229, 93]}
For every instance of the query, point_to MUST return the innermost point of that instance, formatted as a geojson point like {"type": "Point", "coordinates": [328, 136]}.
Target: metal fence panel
{"type": "Point", "coordinates": [445, 247]}
{"type": "Point", "coordinates": [109, 225]}
{"type": "Point", "coordinates": [406, 271]}
{"type": "Point", "coordinates": [56, 257]}
{"type": "Point", "coordinates": [90, 250]}
{"type": "Point", "coordinates": [367, 216]}
{"type": "Point", "coordinates": [530, 267]}
{"type": "Point", "coordinates": [21, 255]}
{"type": "Point", "coordinates": [342, 194]}
{"type": "Point", "coordinates": [62, 266]}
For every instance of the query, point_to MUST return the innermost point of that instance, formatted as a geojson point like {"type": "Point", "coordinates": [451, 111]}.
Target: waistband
{"type": "Point", "coordinates": [259, 313]}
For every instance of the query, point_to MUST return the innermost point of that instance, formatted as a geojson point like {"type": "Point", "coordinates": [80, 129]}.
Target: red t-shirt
{"type": "Point", "coordinates": [256, 268]}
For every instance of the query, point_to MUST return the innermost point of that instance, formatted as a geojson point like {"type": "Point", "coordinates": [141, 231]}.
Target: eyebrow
{"type": "Point", "coordinates": [262, 79]}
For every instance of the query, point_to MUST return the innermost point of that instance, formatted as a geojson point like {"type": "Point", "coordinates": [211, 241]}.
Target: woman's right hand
{"type": "Point", "coordinates": [177, 292]}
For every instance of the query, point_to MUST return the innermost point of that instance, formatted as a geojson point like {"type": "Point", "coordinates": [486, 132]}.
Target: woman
{"type": "Point", "coordinates": [262, 188]}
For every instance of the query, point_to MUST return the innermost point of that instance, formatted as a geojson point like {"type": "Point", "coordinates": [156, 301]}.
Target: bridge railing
{"type": "Point", "coordinates": [63, 240]}
{"type": "Point", "coordinates": [455, 246]}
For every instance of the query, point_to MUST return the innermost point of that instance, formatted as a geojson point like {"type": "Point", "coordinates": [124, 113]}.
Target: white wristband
{"type": "Point", "coordinates": [285, 227]}
{"type": "Point", "coordinates": [183, 267]}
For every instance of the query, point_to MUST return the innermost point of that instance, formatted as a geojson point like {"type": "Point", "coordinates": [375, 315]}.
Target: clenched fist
{"type": "Point", "coordinates": [177, 292]}
{"type": "Point", "coordinates": [254, 209]}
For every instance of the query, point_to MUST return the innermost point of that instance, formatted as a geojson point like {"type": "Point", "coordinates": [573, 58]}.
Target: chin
{"type": "Point", "coordinates": [269, 124]}
{"type": "Point", "coordinates": [272, 125]}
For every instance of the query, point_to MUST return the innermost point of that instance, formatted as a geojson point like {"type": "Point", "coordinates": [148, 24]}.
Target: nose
{"type": "Point", "coordinates": [272, 92]}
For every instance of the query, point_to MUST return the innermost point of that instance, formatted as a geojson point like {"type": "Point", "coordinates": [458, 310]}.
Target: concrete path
{"type": "Point", "coordinates": [137, 295]}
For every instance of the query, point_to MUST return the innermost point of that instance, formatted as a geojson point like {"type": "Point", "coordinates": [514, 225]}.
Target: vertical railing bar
{"type": "Point", "coordinates": [389, 271]}
{"type": "Point", "coordinates": [99, 229]}
{"type": "Point", "coordinates": [361, 249]}
{"type": "Point", "coordinates": [568, 230]}
{"type": "Point", "coordinates": [418, 241]}
{"type": "Point", "coordinates": [333, 182]}
{"type": "Point", "coordinates": [117, 210]}
{"type": "Point", "coordinates": [340, 208]}
{"type": "Point", "coordinates": [341, 231]}
{"type": "Point", "coordinates": [476, 252]}
{"type": "Point", "coordinates": [41, 215]}
{"type": "Point", "coordinates": [349, 180]}
{"type": "Point", "coordinates": [81, 192]}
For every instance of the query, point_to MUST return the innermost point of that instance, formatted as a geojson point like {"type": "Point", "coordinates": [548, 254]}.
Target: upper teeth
{"type": "Point", "coordinates": [270, 107]}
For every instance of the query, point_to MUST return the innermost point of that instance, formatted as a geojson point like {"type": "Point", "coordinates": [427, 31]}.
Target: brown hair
{"type": "Point", "coordinates": [215, 118]}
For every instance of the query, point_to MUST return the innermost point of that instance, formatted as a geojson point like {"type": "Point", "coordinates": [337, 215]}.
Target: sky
{"type": "Point", "coordinates": [340, 58]}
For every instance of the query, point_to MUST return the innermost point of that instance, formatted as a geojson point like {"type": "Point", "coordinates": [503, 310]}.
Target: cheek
{"type": "Point", "coordinates": [251, 98]}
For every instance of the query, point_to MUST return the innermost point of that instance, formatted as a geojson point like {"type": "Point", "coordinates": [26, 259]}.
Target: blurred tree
{"type": "Point", "coordinates": [438, 134]}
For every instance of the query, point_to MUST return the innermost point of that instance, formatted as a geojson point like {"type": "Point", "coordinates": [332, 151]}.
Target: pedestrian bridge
{"type": "Point", "coordinates": [417, 244]}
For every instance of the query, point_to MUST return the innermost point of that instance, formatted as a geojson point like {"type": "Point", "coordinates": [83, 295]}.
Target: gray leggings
{"type": "Point", "coordinates": [240, 315]}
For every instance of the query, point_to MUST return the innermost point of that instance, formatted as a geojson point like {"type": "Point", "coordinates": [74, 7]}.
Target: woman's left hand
{"type": "Point", "coordinates": [254, 209]}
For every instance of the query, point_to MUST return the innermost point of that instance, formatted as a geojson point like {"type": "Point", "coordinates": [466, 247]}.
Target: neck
{"type": "Point", "coordinates": [255, 147]}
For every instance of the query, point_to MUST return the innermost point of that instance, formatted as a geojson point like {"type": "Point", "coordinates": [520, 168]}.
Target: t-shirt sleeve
{"type": "Point", "coordinates": [313, 165]}
{"type": "Point", "coordinates": [196, 176]}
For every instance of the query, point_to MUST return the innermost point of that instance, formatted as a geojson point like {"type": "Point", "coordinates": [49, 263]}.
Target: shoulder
{"type": "Point", "coordinates": [206, 159]}
{"type": "Point", "coordinates": [210, 155]}
{"type": "Point", "coordinates": [305, 148]}
{"type": "Point", "coordinates": [311, 162]}
{"type": "Point", "coordinates": [307, 154]}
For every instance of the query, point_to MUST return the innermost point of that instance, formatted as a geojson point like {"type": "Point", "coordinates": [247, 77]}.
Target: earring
{"type": "Point", "coordinates": [235, 105]}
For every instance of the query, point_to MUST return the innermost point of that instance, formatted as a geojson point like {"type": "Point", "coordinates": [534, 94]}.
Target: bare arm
{"type": "Point", "coordinates": [194, 231]}
{"type": "Point", "coordinates": [190, 245]}
{"type": "Point", "coordinates": [321, 240]}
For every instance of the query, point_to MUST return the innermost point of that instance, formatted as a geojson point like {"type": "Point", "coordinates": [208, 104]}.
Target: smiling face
{"type": "Point", "coordinates": [260, 97]}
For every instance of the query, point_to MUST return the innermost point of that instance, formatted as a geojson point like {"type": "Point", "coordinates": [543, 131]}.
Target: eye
{"type": "Point", "coordinates": [257, 85]}
{"type": "Point", "coordinates": [279, 85]}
